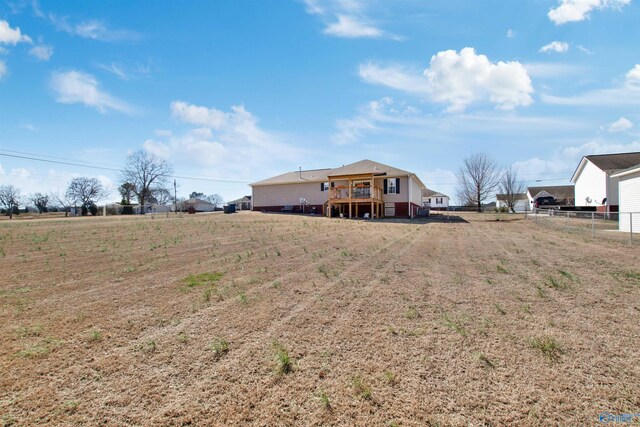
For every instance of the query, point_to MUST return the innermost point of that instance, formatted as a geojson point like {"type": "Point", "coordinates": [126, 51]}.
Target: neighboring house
{"type": "Point", "coordinates": [434, 200]}
{"type": "Point", "coordinates": [594, 180]}
{"type": "Point", "coordinates": [242, 204]}
{"type": "Point", "coordinates": [521, 205]}
{"type": "Point", "coordinates": [629, 198]}
{"type": "Point", "coordinates": [198, 205]}
{"type": "Point", "coordinates": [564, 194]}
{"type": "Point", "coordinates": [355, 190]}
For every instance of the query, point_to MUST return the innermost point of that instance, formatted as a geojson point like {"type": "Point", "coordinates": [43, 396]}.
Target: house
{"type": "Point", "coordinates": [242, 204]}
{"type": "Point", "coordinates": [629, 198]}
{"type": "Point", "coordinates": [564, 194]}
{"type": "Point", "coordinates": [434, 200]}
{"type": "Point", "coordinates": [364, 188]}
{"type": "Point", "coordinates": [594, 180]}
{"type": "Point", "coordinates": [198, 205]}
{"type": "Point", "coordinates": [521, 202]}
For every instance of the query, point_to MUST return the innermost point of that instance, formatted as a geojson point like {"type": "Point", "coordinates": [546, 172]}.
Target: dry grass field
{"type": "Point", "coordinates": [255, 319]}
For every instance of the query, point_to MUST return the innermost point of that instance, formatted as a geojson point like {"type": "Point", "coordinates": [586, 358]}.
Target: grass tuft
{"type": "Point", "coordinates": [454, 324]}
{"type": "Point", "coordinates": [284, 364]}
{"type": "Point", "coordinates": [548, 346]}
{"type": "Point", "coordinates": [219, 346]}
{"type": "Point", "coordinates": [361, 389]}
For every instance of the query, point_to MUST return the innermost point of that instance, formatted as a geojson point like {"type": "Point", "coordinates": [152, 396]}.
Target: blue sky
{"type": "Point", "coordinates": [233, 92]}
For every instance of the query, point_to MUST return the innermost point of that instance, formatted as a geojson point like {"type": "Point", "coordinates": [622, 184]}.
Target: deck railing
{"type": "Point", "coordinates": [357, 192]}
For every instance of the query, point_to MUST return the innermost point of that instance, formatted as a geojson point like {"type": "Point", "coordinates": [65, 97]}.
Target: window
{"type": "Point", "coordinates": [391, 186]}
{"type": "Point", "coordinates": [325, 186]}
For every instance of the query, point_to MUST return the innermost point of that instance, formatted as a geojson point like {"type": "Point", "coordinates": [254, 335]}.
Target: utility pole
{"type": "Point", "coordinates": [175, 196]}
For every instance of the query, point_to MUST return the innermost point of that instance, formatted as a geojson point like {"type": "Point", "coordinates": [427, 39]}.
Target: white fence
{"type": "Point", "coordinates": [622, 226]}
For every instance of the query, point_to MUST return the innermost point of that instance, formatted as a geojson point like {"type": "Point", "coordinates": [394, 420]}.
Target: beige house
{"type": "Point", "coordinates": [362, 189]}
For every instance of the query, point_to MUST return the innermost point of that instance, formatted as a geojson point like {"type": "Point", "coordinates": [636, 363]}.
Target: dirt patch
{"type": "Point", "coordinates": [287, 320]}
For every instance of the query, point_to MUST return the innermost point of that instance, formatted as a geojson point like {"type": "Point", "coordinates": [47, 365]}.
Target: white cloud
{"type": "Point", "coordinates": [201, 116]}
{"type": "Point", "coordinates": [115, 70]}
{"type": "Point", "coordinates": [633, 76]}
{"type": "Point", "coordinates": [12, 36]}
{"type": "Point", "coordinates": [43, 52]}
{"type": "Point", "coordinates": [584, 50]}
{"type": "Point", "coordinates": [351, 27]}
{"type": "Point", "coordinates": [627, 94]}
{"type": "Point", "coordinates": [73, 87]}
{"type": "Point", "coordinates": [92, 29]}
{"type": "Point", "coordinates": [460, 79]}
{"type": "Point", "coordinates": [227, 142]}
{"type": "Point", "coordinates": [346, 19]}
{"type": "Point", "coordinates": [3, 69]}
{"type": "Point", "coordinates": [620, 125]}
{"type": "Point", "coordinates": [511, 34]}
{"type": "Point", "coordinates": [396, 77]}
{"type": "Point", "coordinates": [579, 10]}
{"type": "Point", "coordinates": [555, 46]}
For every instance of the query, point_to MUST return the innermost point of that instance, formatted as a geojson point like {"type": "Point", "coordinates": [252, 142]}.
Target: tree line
{"type": "Point", "coordinates": [144, 178]}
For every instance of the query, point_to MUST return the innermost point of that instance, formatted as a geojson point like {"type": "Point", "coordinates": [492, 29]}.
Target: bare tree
{"type": "Point", "coordinates": [86, 192]}
{"type": "Point", "coordinates": [215, 199]}
{"type": "Point", "coordinates": [63, 201]}
{"type": "Point", "coordinates": [478, 178]}
{"type": "Point", "coordinates": [10, 198]}
{"type": "Point", "coordinates": [145, 170]}
{"type": "Point", "coordinates": [162, 196]}
{"type": "Point", "coordinates": [511, 188]}
{"type": "Point", "coordinates": [40, 201]}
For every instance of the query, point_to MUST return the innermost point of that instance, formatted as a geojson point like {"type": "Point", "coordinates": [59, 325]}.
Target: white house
{"type": "Point", "coordinates": [629, 198]}
{"type": "Point", "coordinates": [434, 199]}
{"type": "Point", "coordinates": [198, 205]}
{"type": "Point", "coordinates": [243, 203]}
{"type": "Point", "coordinates": [521, 205]}
{"type": "Point", "coordinates": [594, 180]}
{"type": "Point", "coordinates": [564, 194]}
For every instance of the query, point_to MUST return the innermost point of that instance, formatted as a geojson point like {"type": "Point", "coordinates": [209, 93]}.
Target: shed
{"type": "Point", "coordinates": [629, 199]}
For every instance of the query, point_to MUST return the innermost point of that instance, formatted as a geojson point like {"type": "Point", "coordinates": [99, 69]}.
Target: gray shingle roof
{"type": "Point", "coordinates": [618, 161]}
{"type": "Point", "coordinates": [322, 175]}
{"type": "Point", "coordinates": [557, 191]}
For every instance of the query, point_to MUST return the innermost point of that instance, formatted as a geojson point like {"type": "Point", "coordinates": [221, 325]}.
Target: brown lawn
{"type": "Point", "coordinates": [140, 321]}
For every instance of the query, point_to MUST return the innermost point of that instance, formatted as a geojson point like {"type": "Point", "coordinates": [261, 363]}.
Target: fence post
{"type": "Point", "coordinates": [593, 225]}
{"type": "Point", "coordinates": [630, 228]}
{"type": "Point", "coordinates": [567, 220]}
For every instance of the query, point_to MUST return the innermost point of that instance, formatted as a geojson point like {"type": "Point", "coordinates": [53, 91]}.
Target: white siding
{"type": "Point", "coordinates": [630, 202]}
{"type": "Point", "coordinates": [591, 183]}
{"type": "Point", "coordinates": [521, 205]}
{"type": "Point", "coordinates": [288, 194]}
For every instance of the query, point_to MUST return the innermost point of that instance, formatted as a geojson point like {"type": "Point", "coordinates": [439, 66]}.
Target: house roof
{"type": "Point", "coordinates": [313, 175]}
{"type": "Point", "coordinates": [609, 162]}
{"type": "Point", "coordinates": [368, 167]}
{"type": "Point", "coordinates": [557, 191]}
{"type": "Point", "coordinates": [427, 192]}
{"type": "Point", "coordinates": [520, 196]}
{"type": "Point", "coordinates": [194, 201]}
{"type": "Point", "coordinates": [241, 199]}
{"type": "Point", "coordinates": [628, 171]}
{"type": "Point", "coordinates": [322, 175]}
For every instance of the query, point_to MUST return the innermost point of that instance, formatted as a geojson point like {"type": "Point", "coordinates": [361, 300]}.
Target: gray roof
{"type": "Point", "coordinates": [322, 175]}
{"type": "Point", "coordinates": [608, 162]}
{"type": "Point", "coordinates": [368, 167]}
{"type": "Point", "coordinates": [314, 175]}
{"type": "Point", "coordinates": [427, 192]}
{"type": "Point", "coordinates": [557, 191]}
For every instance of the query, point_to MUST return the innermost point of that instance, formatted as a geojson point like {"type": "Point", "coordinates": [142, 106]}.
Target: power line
{"type": "Point", "coordinates": [119, 170]}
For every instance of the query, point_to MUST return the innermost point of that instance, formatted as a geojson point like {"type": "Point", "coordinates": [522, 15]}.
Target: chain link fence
{"type": "Point", "coordinates": [621, 226]}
